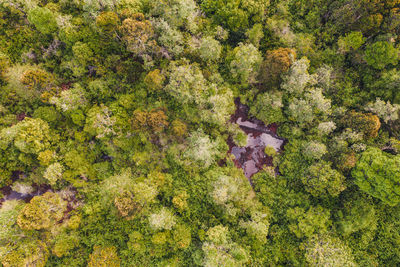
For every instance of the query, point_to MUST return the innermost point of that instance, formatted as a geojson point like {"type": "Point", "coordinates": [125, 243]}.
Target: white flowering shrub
{"type": "Point", "coordinates": [53, 173]}
{"type": "Point", "coordinates": [386, 111]}
{"type": "Point", "coordinates": [298, 78]}
{"type": "Point", "coordinates": [162, 220]}
{"type": "Point", "coordinates": [70, 100]}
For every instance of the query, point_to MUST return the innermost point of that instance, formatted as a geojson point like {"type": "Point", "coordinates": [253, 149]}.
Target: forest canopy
{"type": "Point", "coordinates": [199, 133]}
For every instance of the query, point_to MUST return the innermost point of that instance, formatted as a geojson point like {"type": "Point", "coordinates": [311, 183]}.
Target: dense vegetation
{"type": "Point", "coordinates": [115, 116]}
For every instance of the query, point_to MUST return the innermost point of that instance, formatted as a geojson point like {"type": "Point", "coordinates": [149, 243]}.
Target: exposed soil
{"type": "Point", "coordinates": [252, 157]}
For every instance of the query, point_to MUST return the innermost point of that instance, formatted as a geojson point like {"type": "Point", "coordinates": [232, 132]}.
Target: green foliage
{"type": "Point", "coordinates": [268, 107]}
{"type": "Point", "coordinates": [235, 15]}
{"type": "Point", "coordinates": [316, 220]}
{"type": "Point", "coordinates": [137, 34]}
{"type": "Point", "coordinates": [64, 243]}
{"type": "Point", "coordinates": [210, 49]}
{"type": "Point", "coordinates": [324, 250]}
{"type": "Point", "coordinates": [380, 54]}
{"type": "Point", "coordinates": [246, 63]}
{"type": "Point", "coordinates": [43, 19]}
{"type": "Point", "coordinates": [377, 174]}
{"type": "Point", "coordinates": [162, 219]}
{"type": "Point", "coordinates": [352, 41]}
{"type": "Point", "coordinates": [321, 180]}
{"type": "Point", "coordinates": [53, 173]}
{"type": "Point", "coordinates": [357, 216]}
{"type": "Point", "coordinates": [202, 150]}
{"type": "Point", "coordinates": [118, 119]}
{"type": "Point", "coordinates": [8, 219]}
{"type": "Point", "coordinates": [28, 136]}
{"type": "Point", "coordinates": [231, 191]}
{"type": "Point", "coordinates": [107, 21]}
{"type": "Point", "coordinates": [385, 111]}
{"type": "Point", "coordinates": [218, 251]}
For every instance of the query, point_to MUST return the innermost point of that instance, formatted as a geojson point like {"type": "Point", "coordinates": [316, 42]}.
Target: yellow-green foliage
{"type": "Point", "coordinates": [42, 212]}
{"type": "Point", "coordinates": [28, 253]}
{"type": "Point", "coordinates": [104, 257]}
{"type": "Point", "coordinates": [28, 136]}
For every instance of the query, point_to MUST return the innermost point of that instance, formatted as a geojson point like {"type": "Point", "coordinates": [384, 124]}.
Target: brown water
{"type": "Point", "coordinates": [252, 158]}
{"type": "Point", "coordinates": [9, 194]}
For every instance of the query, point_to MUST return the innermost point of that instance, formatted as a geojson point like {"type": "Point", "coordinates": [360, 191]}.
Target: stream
{"type": "Point", "coordinates": [252, 157]}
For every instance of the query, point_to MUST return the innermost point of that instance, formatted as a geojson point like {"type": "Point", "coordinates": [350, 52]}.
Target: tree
{"type": "Point", "coordinates": [378, 174]}
{"type": "Point", "coordinates": [137, 33]}
{"type": "Point", "coordinates": [70, 100]}
{"type": "Point", "coordinates": [380, 54]}
{"type": "Point", "coordinates": [352, 41]}
{"type": "Point", "coordinates": [4, 64]}
{"type": "Point", "coordinates": [357, 215]}
{"type": "Point", "coordinates": [107, 21]}
{"type": "Point", "coordinates": [268, 107]}
{"type": "Point", "coordinates": [316, 220]}
{"type": "Point", "coordinates": [163, 219]}
{"type": "Point", "coordinates": [28, 136]}
{"type": "Point", "coordinates": [168, 37]}
{"type": "Point", "coordinates": [123, 185]}
{"type": "Point", "coordinates": [8, 221]}
{"type": "Point", "coordinates": [235, 15]}
{"type": "Point", "coordinates": [187, 83]}
{"type": "Point", "coordinates": [100, 122]}
{"type": "Point", "coordinates": [276, 63]}
{"type": "Point", "coordinates": [324, 250]}
{"type": "Point", "coordinates": [257, 227]}
{"type": "Point", "coordinates": [53, 173]}
{"type": "Point", "coordinates": [367, 16]}
{"type": "Point", "coordinates": [325, 128]}
{"type": "Point", "coordinates": [220, 251]}
{"type": "Point", "coordinates": [43, 19]}
{"type": "Point", "coordinates": [364, 123]}
{"type": "Point", "coordinates": [104, 257]}
{"type": "Point", "coordinates": [298, 78]}
{"type": "Point", "coordinates": [65, 243]}
{"type": "Point", "coordinates": [314, 150]}
{"type": "Point", "coordinates": [255, 34]}
{"type": "Point", "coordinates": [321, 180]}
{"type": "Point", "coordinates": [300, 112]}
{"type": "Point", "coordinates": [154, 121]}
{"type": "Point", "coordinates": [202, 150]}
{"type": "Point", "coordinates": [210, 49]}
{"type": "Point", "coordinates": [36, 79]}
{"type": "Point", "coordinates": [246, 63]}
{"type": "Point", "coordinates": [387, 86]}
{"type": "Point", "coordinates": [94, 6]}
{"type": "Point", "coordinates": [231, 191]}
{"type": "Point", "coordinates": [82, 53]}
{"type": "Point", "coordinates": [182, 236]}
{"type": "Point", "coordinates": [178, 14]}
{"type": "Point", "coordinates": [28, 253]}
{"type": "Point", "coordinates": [386, 111]}
{"type": "Point", "coordinates": [154, 80]}
{"type": "Point", "coordinates": [42, 212]}
{"type": "Point", "coordinates": [219, 107]}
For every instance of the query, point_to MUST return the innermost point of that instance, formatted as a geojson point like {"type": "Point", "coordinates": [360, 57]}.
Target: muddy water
{"type": "Point", "coordinates": [252, 158]}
